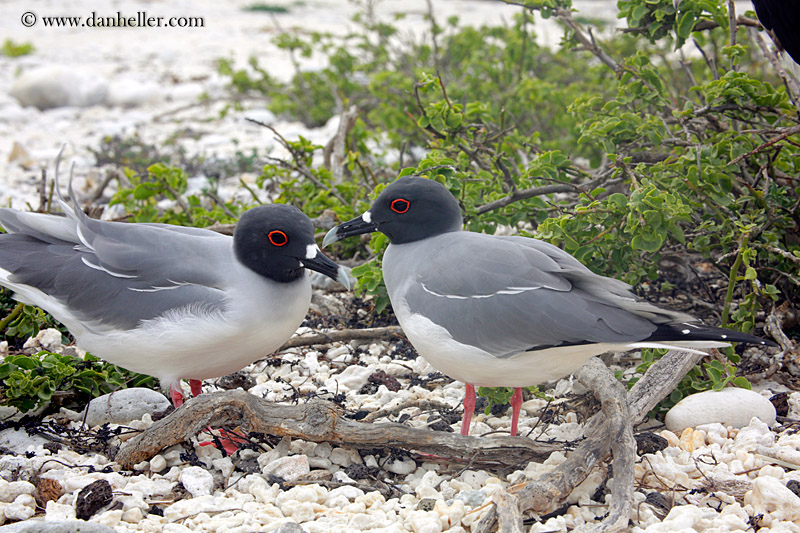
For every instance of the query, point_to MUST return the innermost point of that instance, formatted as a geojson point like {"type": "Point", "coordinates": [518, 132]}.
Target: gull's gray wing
{"type": "Point", "coordinates": [113, 274]}
{"type": "Point", "coordinates": [511, 294]}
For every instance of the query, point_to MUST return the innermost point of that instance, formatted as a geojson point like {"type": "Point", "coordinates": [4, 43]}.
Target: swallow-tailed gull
{"type": "Point", "coordinates": [504, 311]}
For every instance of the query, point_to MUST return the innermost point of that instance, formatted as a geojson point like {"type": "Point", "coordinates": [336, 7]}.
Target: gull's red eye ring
{"type": "Point", "coordinates": [400, 205]}
{"type": "Point", "coordinates": [277, 237]}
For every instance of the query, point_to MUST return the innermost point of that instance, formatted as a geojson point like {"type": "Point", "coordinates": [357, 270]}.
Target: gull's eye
{"type": "Point", "coordinates": [277, 237]}
{"type": "Point", "coordinates": [400, 205]}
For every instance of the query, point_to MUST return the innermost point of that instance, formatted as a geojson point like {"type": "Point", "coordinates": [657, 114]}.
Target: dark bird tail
{"type": "Point", "coordinates": [694, 331]}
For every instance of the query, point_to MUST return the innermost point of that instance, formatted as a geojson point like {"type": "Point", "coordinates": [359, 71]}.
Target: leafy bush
{"type": "Point", "coordinates": [27, 381]}
{"type": "Point", "coordinates": [616, 160]}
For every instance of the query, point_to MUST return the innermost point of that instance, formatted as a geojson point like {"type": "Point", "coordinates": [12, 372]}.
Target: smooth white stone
{"type": "Point", "coordinates": [123, 406]}
{"type": "Point", "coordinates": [402, 466]}
{"type": "Point", "coordinates": [731, 407]}
{"type": "Point", "coordinates": [58, 86]}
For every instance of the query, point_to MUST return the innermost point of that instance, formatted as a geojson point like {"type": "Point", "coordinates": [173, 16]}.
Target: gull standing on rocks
{"type": "Point", "coordinates": [500, 311]}
{"type": "Point", "coordinates": [168, 301]}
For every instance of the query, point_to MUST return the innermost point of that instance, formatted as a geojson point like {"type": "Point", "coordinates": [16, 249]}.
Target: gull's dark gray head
{"type": "Point", "coordinates": [277, 241]}
{"type": "Point", "coordinates": [408, 210]}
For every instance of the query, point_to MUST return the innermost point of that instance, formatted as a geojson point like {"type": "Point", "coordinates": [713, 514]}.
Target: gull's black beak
{"type": "Point", "coordinates": [316, 260]}
{"type": "Point", "coordinates": [357, 226]}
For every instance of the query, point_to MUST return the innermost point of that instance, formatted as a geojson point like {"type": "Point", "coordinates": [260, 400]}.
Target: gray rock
{"type": "Point", "coordinates": [18, 441]}
{"type": "Point", "coordinates": [471, 498]}
{"type": "Point", "coordinates": [426, 504]}
{"type": "Point", "coordinates": [731, 407]}
{"type": "Point", "coordinates": [327, 305]}
{"type": "Point", "coordinates": [40, 526]}
{"type": "Point", "coordinates": [290, 527]}
{"type": "Point", "coordinates": [122, 406]}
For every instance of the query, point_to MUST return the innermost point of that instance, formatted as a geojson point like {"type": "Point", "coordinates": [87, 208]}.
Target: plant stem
{"type": "Point", "coordinates": [11, 316]}
{"type": "Point", "coordinates": [732, 279]}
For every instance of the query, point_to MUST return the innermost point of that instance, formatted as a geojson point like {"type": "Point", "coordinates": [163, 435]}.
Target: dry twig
{"type": "Point", "coordinates": [320, 421]}
{"type": "Point", "coordinates": [343, 335]}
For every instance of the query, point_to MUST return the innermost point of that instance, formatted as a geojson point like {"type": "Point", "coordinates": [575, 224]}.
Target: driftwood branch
{"type": "Point", "coordinates": [321, 421]}
{"type": "Point", "coordinates": [335, 151]}
{"type": "Point", "coordinates": [546, 494]}
{"type": "Point", "coordinates": [509, 517]}
{"type": "Point", "coordinates": [343, 335]}
{"type": "Point", "coordinates": [611, 394]}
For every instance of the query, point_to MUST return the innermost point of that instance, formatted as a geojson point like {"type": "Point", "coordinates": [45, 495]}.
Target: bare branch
{"type": "Point", "coordinates": [321, 421]}
{"type": "Point", "coordinates": [344, 335]}
{"type": "Point", "coordinates": [786, 133]}
{"type": "Point", "coordinates": [517, 195]}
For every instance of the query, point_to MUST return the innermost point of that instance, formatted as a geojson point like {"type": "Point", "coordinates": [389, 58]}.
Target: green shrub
{"type": "Point", "coordinates": [28, 381]}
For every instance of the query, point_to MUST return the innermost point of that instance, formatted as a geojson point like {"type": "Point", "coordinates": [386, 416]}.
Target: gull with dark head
{"type": "Point", "coordinates": [503, 311]}
{"type": "Point", "coordinates": [169, 301]}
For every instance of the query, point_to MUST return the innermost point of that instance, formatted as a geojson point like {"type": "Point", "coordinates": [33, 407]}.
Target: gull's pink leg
{"type": "Point", "coordinates": [197, 387]}
{"type": "Point", "coordinates": [176, 393]}
{"type": "Point", "coordinates": [469, 408]}
{"type": "Point", "coordinates": [516, 406]}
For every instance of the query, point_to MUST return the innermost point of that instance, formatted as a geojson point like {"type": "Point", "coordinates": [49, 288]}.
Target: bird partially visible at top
{"type": "Point", "coordinates": [505, 311]}
{"type": "Point", "coordinates": [168, 301]}
{"type": "Point", "coordinates": [782, 19]}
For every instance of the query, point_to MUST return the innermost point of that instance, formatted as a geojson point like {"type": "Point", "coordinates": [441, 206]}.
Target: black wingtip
{"type": "Point", "coordinates": [695, 331]}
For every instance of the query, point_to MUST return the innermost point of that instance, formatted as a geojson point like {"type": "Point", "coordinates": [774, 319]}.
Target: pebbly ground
{"type": "Point", "coordinates": [713, 477]}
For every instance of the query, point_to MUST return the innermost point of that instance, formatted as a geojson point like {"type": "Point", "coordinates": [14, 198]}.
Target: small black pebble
{"type": "Point", "coordinates": [155, 510]}
{"type": "Point", "coordinates": [656, 499]}
{"type": "Point", "coordinates": [358, 415]}
{"type": "Point", "coordinates": [272, 478]}
{"type": "Point", "coordinates": [369, 388]}
{"type": "Point", "coordinates": [440, 425]}
{"type": "Point", "coordinates": [450, 416]}
{"type": "Point", "coordinates": [237, 380]}
{"type": "Point", "coordinates": [91, 498]}
{"type": "Point", "coordinates": [648, 442]}
{"type": "Point", "coordinates": [781, 403]}
{"type": "Point", "coordinates": [794, 486]}
{"type": "Point", "coordinates": [382, 378]}
{"type": "Point", "coordinates": [52, 447]}
{"type": "Point", "coordinates": [480, 404]}
{"type": "Point", "coordinates": [499, 409]}
{"type": "Point", "coordinates": [359, 471]}
{"type": "Point", "coordinates": [248, 466]}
